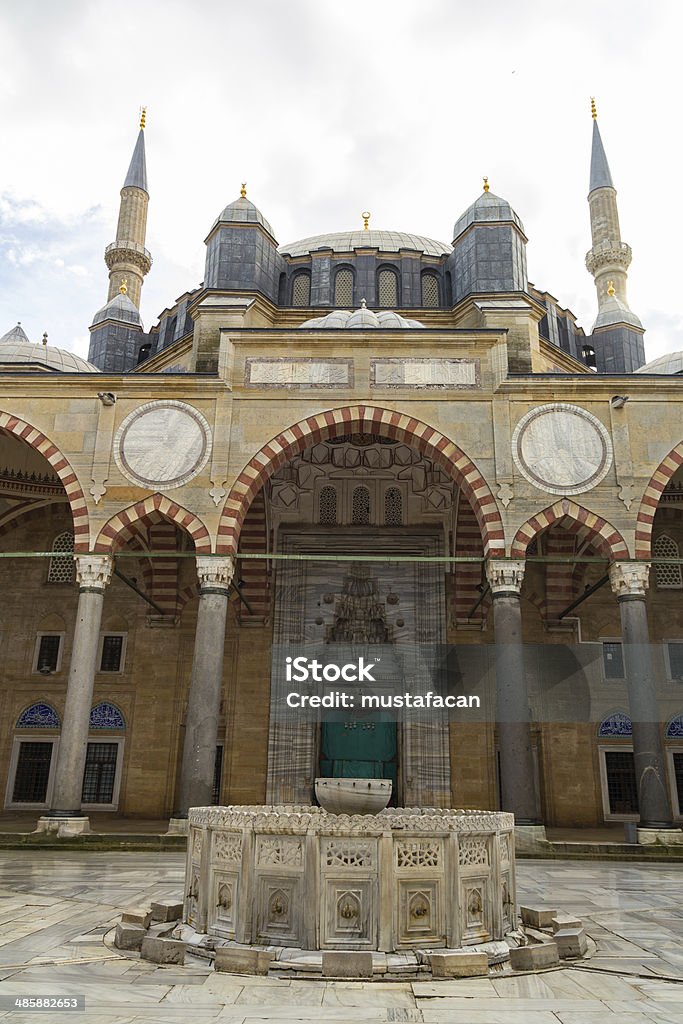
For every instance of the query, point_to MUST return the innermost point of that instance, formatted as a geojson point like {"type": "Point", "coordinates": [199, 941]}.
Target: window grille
{"type": "Point", "coordinates": [387, 289]}
{"type": "Point", "coordinates": [32, 774]}
{"type": "Point", "coordinates": [360, 506]}
{"type": "Point", "coordinates": [678, 776]}
{"type": "Point", "coordinates": [675, 653]}
{"type": "Point", "coordinates": [301, 290]}
{"type": "Point", "coordinates": [430, 290]}
{"type": "Point", "coordinates": [613, 660]}
{"type": "Point", "coordinates": [393, 507]}
{"type": "Point", "coordinates": [622, 791]}
{"type": "Point", "coordinates": [61, 569]}
{"type": "Point", "coordinates": [100, 773]}
{"type": "Point", "coordinates": [327, 506]}
{"type": "Point", "coordinates": [112, 650]}
{"type": "Point", "coordinates": [343, 288]}
{"type": "Point", "coordinates": [668, 577]}
{"type": "Point", "coordinates": [48, 653]}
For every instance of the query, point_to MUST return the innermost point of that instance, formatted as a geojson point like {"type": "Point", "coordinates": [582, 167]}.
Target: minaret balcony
{"type": "Point", "coordinates": [125, 250]}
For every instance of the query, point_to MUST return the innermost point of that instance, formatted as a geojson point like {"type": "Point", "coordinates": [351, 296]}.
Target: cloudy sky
{"type": "Point", "coordinates": [326, 108]}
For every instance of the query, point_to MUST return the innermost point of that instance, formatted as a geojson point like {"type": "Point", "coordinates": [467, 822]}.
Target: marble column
{"type": "Point", "coordinates": [206, 686]}
{"type": "Point", "coordinates": [93, 573]}
{"type": "Point", "coordinates": [513, 716]}
{"type": "Point", "coordinates": [629, 582]}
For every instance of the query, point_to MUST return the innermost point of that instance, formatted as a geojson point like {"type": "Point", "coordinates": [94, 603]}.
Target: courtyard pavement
{"type": "Point", "coordinates": [55, 908]}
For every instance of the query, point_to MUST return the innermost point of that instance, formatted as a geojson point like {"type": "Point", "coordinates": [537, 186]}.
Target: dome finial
{"type": "Point", "coordinates": [366, 218]}
{"type": "Point", "coordinates": [124, 286]}
{"type": "Point", "coordinates": [143, 117]}
{"type": "Point", "coordinates": [44, 337]}
{"type": "Point", "coordinates": [610, 288]}
{"type": "Point", "coordinates": [363, 304]}
{"type": "Point", "coordinates": [486, 183]}
{"type": "Point", "coordinates": [243, 190]}
{"type": "Point", "coordinates": [594, 112]}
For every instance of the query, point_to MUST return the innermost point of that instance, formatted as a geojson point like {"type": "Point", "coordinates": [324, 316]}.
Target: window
{"type": "Point", "coordinates": [327, 506]}
{"type": "Point", "coordinates": [301, 290]}
{"type": "Point", "coordinates": [343, 287]}
{"type": "Point", "coordinates": [612, 659]}
{"type": "Point", "coordinates": [674, 659]}
{"type": "Point", "coordinates": [48, 653]}
{"type": "Point", "coordinates": [61, 568]}
{"type": "Point", "coordinates": [387, 288]}
{"type": "Point", "coordinates": [668, 577]}
{"type": "Point", "coordinates": [588, 353]}
{"type": "Point", "coordinates": [100, 773]}
{"type": "Point", "coordinates": [112, 649]}
{"type": "Point", "coordinates": [393, 507]}
{"type": "Point", "coordinates": [32, 773]}
{"type": "Point", "coordinates": [620, 775]}
{"type": "Point", "coordinates": [217, 773]}
{"type": "Point", "coordinates": [676, 777]}
{"type": "Point", "coordinates": [360, 506]}
{"type": "Point", "coordinates": [430, 290]}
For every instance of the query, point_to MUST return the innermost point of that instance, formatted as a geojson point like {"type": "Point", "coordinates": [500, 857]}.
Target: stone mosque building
{"type": "Point", "coordinates": [368, 436]}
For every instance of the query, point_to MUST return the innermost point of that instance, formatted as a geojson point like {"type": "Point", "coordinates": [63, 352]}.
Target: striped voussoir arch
{"type": "Point", "coordinates": [115, 532]}
{"type": "Point", "coordinates": [370, 420]}
{"type": "Point", "coordinates": [576, 519]}
{"type": "Point", "coordinates": [653, 492]}
{"type": "Point", "coordinates": [74, 493]}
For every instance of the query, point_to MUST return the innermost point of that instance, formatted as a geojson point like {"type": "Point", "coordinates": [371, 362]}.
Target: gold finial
{"type": "Point", "coordinates": [44, 337]}
{"type": "Point", "coordinates": [594, 113]}
{"type": "Point", "coordinates": [366, 218]}
{"type": "Point", "coordinates": [610, 288]}
{"type": "Point", "coordinates": [143, 116]}
{"type": "Point", "coordinates": [243, 190]}
{"type": "Point", "coordinates": [124, 286]}
{"type": "Point", "coordinates": [486, 184]}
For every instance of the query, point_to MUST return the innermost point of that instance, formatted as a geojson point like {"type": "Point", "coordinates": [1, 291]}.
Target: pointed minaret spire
{"type": "Point", "coordinates": [127, 257]}
{"type": "Point", "coordinates": [600, 176]}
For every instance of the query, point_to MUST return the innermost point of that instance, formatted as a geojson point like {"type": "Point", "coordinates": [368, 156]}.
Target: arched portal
{"type": "Point", "coordinates": [669, 468]}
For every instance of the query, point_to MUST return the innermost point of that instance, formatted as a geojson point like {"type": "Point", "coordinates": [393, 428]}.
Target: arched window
{"type": "Point", "coordinates": [668, 577]}
{"type": "Point", "coordinates": [430, 291]}
{"type": "Point", "coordinates": [61, 569]}
{"type": "Point", "coordinates": [39, 716]}
{"type": "Point", "coordinates": [360, 506]}
{"type": "Point", "coordinates": [343, 287]}
{"type": "Point", "coordinates": [106, 716]}
{"type": "Point", "coordinates": [618, 724]}
{"type": "Point", "coordinates": [301, 289]}
{"type": "Point", "coordinates": [387, 288]}
{"type": "Point", "coordinates": [393, 507]}
{"type": "Point", "coordinates": [588, 353]}
{"type": "Point", "coordinates": [327, 506]}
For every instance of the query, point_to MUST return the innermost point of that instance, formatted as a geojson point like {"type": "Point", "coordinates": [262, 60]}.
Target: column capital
{"type": "Point", "coordinates": [505, 575]}
{"type": "Point", "coordinates": [93, 572]}
{"type": "Point", "coordinates": [629, 579]}
{"type": "Point", "coordinates": [215, 572]}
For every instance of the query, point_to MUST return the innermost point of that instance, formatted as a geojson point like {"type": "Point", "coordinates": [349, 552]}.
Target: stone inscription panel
{"type": "Point", "coordinates": [425, 373]}
{"type": "Point", "coordinates": [299, 373]}
{"type": "Point", "coordinates": [562, 449]}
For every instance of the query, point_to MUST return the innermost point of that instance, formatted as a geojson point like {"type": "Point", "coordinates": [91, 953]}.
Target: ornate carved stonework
{"type": "Point", "coordinates": [424, 373]}
{"type": "Point", "coordinates": [227, 847]}
{"type": "Point", "coordinates": [561, 449]}
{"type": "Point", "coordinates": [419, 853]}
{"type": "Point", "coordinates": [215, 570]}
{"type": "Point", "coordinates": [473, 851]}
{"type": "Point", "coordinates": [608, 253]}
{"type": "Point", "coordinates": [299, 373]}
{"type": "Point", "coordinates": [279, 851]}
{"type": "Point", "coordinates": [162, 444]}
{"type": "Point", "coordinates": [629, 578]}
{"type": "Point", "coordinates": [93, 571]}
{"type": "Point", "coordinates": [504, 575]}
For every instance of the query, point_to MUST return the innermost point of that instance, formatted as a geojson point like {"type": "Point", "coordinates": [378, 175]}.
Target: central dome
{"type": "Point", "coordinates": [385, 241]}
{"type": "Point", "coordinates": [363, 318]}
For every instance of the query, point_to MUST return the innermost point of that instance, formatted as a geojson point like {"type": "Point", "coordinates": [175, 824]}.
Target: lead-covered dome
{"type": "Point", "coordinates": [671, 363]}
{"type": "Point", "coordinates": [15, 348]}
{"type": "Point", "coordinates": [361, 319]}
{"type": "Point", "coordinates": [384, 241]}
{"type": "Point", "coordinates": [242, 211]}
{"type": "Point", "coordinates": [487, 209]}
{"type": "Point", "coordinates": [119, 308]}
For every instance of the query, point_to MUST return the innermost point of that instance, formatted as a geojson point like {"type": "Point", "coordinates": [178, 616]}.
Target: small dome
{"type": "Point", "coordinates": [347, 241]}
{"type": "Point", "coordinates": [487, 209]}
{"type": "Point", "coordinates": [670, 363]}
{"type": "Point", "coordinates": [363, 319]}
{"type": "Point", "coordinates": [18, 352]}
{"type": "Point", "coordinates": [119, 308]}
{"type": "Point", "coordinates": [15, 334]}
{"type": "Point", "coordinates": [614, 311]}
{"type": "Point", "coordinates": [243, 211]}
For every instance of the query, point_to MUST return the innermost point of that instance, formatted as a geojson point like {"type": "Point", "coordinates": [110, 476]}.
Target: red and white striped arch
{"type": "Point", "coordinates": [116, 531]}
{"type": "Point", "coordinates": [653, 492]}
{"type": "Point", "coordinates": [576, 519]}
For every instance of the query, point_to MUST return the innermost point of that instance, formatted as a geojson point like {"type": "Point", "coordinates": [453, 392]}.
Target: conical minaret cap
{"type": "Point", "coordinates": [137, 172]}
{"type": "Point", "coordinates": [600, 172]}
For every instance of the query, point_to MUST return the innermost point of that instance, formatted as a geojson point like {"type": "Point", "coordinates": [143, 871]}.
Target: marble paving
{"type": "Point", "coordinates": [55, 908]}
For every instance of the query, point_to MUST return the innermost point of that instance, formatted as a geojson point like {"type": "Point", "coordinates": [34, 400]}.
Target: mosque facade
{"type": "Point", "coordinates": [360, 442]}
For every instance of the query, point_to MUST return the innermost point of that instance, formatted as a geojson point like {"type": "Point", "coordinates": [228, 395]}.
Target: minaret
{"type": "Point", "coordinates": [127, 258]}
{"type": "Point", "coordinates": [608, 261]}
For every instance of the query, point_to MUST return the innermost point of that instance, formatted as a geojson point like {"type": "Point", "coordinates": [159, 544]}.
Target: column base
{"type": "Point", "coordinates": [660, 836]}
{"type": "Point", "coordinates": [64, 827]}
{"type": "Point", "coordinates": [178, 827]}
{"type": "Point", "coordinates": [528, 837]}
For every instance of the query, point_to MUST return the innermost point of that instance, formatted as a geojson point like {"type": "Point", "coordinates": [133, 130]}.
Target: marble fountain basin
{"type": "Point", "coordinates": [298, 876]}
{"type": "Point", "coordinates": [353, 796]}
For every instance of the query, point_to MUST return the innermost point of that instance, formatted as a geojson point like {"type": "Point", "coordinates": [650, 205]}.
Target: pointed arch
{"type": "Point", "coordinates": [604, 537]}
{"type": "Point", "coordinates": [363, 419]}
{"type": "Point", "coordinates": [62, 467]}
{"type": "Point", "coordinates": [650, 501]}
{"type": "Point", "coordinates": [115, 532]}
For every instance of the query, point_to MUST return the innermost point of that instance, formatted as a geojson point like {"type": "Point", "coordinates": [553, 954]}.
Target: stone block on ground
{"type": "Point", "coordinates": [162, 930]}
{"type": "Point", "coordinates": [562, 921]}
{"type": "Point", "coordinates": [571, 942]}
{"type": "Point", "coordinates": [459, 965]}
{"type": "Point", "coordinates": [347, 964]}
{"type": "Point", "coordinates": [167, 910]}
{"type": "Point", "coordinates": [537, 917]}
{"type": "Point", "coordinates": [163, 951]}
{"type": "Point", "coordinates": [531, 958]}
{"type": "Point", "coordinates": [137, 915]}
{"type": "Point", "coordinates": [129, 936]}
{"type": "Point", "coordinates": [234, 960]}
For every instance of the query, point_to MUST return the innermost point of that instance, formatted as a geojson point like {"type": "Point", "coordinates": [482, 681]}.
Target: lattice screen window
{"type": "Point", "coordinates": [387, 288]}
{"type": "Point", "coordinates": [360, 506]}
{"type": "Point", "coordinates": [430, 290]}
{"type": "Point", "coordinates": [61, 568]}
{"type": "Point", "coordinates": [393, 507]}
{"type": "Point", "coordinates": [669, 577]}
{"type": "Point", "coordinates": [622, 790]}
{"type": "Point", "coordinates": [343, 288]}
{"type": "Point", "coordinates": [301, 290]}
{"type": "Point", "coordinates": [327, 506]}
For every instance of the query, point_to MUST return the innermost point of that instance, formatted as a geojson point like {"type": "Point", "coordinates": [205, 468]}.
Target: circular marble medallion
{"type": "Point", "coordinates": [162, 444]}
{"type": "Point", "coordinates": [561, 448]}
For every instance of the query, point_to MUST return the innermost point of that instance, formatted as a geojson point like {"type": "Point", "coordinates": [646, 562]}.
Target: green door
{"type": "Point", "coordinates": [358, 750]}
